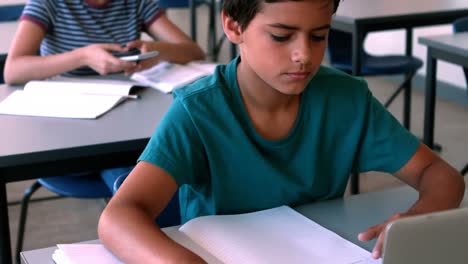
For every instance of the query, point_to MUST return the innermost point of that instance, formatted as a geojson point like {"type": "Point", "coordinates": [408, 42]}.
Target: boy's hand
{"type": "Point", "coordinates": [378, 232]}
{"type": "Point", "coordinates": [100, 59]}
{"type": "Point", "coordinates": [144, 47]}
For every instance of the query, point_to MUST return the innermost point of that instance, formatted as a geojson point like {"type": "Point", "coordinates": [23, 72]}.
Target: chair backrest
{"type": "Point", "coordinates": [461, 25]}
{"type": "Point", "coordinates": [10, 12]}
{"type": "Point", "coordinates": [339, 47]}
{"type": "Point", "coordinates": [2, 67]}
{"type": "Point", "coordinates": [170, 216]}
{"type": "Point", "coordinates": [177, 3]}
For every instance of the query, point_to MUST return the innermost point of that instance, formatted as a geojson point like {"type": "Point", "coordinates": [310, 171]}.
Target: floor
{"type": "Point", "coordinates": [70, 220]}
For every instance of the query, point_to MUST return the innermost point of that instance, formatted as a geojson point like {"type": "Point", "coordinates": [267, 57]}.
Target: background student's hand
{"type": "Point", "coordinates": [378, 232]}
{"type": "Point", "coordinates": [100, 59]}
{"type": "Point", "coordinates": [144, 47]}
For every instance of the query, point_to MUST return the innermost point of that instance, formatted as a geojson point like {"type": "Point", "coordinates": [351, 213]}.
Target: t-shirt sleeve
{"type": "Point", "coordinates": [150, 11]}
{"type": "Point", "coordinates": [176, 147]}
{"type": "Point", "coordinates": [39, 12]}
{"type": "Point", "coordinates": [385, 144]}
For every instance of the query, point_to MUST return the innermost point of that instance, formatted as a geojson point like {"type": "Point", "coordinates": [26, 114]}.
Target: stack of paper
{"type": "Point", "coordinates": [83, 254]}
{"type": "Point", "coordinates": [167, 76]}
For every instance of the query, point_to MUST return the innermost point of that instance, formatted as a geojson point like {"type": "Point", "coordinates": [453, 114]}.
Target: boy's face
{"type": "Point", "coordinates": [285, 43]}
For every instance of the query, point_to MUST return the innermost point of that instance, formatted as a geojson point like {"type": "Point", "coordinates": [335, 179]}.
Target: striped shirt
{"type": "Point", "coordinates": [71, 24]}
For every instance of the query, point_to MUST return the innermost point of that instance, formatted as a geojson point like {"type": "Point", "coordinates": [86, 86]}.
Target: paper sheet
{"type": "Point", "coordinates": [279, 235]}
{"type": "Point", "coordinates": [83, 254]}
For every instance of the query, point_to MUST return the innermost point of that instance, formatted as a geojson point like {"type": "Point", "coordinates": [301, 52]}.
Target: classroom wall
{"type": "Point", "coordinates": [377, 43]}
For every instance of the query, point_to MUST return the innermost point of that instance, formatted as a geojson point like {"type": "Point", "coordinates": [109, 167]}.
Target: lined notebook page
{"type": "Point", "coordinates": [278, 235]}
{"type": "Point", "coordinates": [101, 87]}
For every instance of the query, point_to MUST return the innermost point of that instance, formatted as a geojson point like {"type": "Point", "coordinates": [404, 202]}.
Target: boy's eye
{"type": "Point", "coordinates": [279, 38]}
{"type": "Point", "coordinates": [317, 38]}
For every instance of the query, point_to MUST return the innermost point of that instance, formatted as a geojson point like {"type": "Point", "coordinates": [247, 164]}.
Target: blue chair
{"type": "Point", "coordinates": [2, 67]}
{"type": "Point", "coordinates": [10, 13]}
{"type": "Point", "coordinates": [170, 216]}
{"type": "Point", "coordinates": [78, 185]}
{"type": "Point", "coordinates": [461, 25]}
{"type": "Point", "coordinates": [88, 185]}
{"type": "Point", "coordinates": [340, 54]}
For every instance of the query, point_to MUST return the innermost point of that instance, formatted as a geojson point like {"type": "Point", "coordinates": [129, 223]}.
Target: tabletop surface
{"type": "Point", "coordinates": [380, 8]}
{"type": "Point", "coordinates": [347, 217]}
{"type": "Point", "coordinates": [455, 43]}
{"type": "Point", "coordinates": [25, 138]}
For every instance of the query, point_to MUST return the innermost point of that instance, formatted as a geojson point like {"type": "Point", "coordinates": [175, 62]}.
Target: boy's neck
{"type": "Point", "coordinates": [271, 113]}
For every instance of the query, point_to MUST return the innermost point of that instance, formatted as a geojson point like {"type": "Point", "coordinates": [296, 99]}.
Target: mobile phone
{"type": "Point", "coordinates": [139, 57]}
{"type": "Point", "coordinates": [134, 54]}
{"type": "Point", "coordinates": [130, 52]}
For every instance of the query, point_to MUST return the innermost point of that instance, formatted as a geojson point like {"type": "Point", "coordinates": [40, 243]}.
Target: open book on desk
{"type": "Point", "coordinates": [278, 235]}
{"type": "Point", "coordinates": [166, 76]}
{"type": "Point", "coordinates": [67, 99]}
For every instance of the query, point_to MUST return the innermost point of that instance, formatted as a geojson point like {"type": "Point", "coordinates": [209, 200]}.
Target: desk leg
{"type": "Point", "coordinates": [5, 246]}
{"type": "Point", "coordinates": [193, 19]}
{"type": "Point", "coordinates": [212, 34]}
{"type": "Point", "coordinates": [429, 104]}
{"type": "Point", "coordinates": [407, 91]}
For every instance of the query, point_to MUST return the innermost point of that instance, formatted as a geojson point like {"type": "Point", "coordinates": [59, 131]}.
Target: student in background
{"type": "Point", "coordinates": [77, 38]}
{"type": "Point", "coordinates": [273, 127]}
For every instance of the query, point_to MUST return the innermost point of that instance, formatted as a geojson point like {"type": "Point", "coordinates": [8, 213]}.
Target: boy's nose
{"type": "Point", "coordinates": [301, 52]}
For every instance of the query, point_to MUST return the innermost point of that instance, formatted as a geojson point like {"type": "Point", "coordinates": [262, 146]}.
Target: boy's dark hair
{"type": "Point", "coordinates": [243, 11]}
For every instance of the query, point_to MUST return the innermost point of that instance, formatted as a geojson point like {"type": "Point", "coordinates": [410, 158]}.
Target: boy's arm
{"type": "Point", "coordinates": [127, 225]}
{"type": "Point", "coordinates": [173, 44]}
{"type": "Point", "coordinates": [24, 64]}
{"type": "Point", "coordinates": [440, 187]}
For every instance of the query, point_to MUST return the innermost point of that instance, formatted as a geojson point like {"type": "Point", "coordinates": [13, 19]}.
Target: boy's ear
{"type": "Point", "coordinates": [232, 29]}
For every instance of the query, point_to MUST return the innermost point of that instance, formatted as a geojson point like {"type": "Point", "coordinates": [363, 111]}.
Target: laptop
{"type": "Point", "coordinates": [435, 238]}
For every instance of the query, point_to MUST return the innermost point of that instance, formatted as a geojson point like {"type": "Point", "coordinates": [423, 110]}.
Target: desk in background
{"type": "Point", "coordinates": [451, 48]}
{"type": "Point", "coordinates": [359, 17]}
{"type": "Point", "coordinates": [34, 147]}
{"type": "Point", "coordinates": [347, 217]}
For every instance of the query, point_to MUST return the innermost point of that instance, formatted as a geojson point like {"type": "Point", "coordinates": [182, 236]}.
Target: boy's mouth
{"type": "Point", "coordinates": [297, 76]}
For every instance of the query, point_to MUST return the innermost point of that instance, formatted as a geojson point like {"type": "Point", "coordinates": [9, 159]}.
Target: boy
{"type": "Point", "coordinates": [77, 38]}
{"type": "Point", "coordinates": [273, 127]}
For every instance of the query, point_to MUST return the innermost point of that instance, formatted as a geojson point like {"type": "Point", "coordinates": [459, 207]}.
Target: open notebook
{"type": "Point", "coordinates": [278, 235]}
{"type": "Point", "coordinates": [67, 99]}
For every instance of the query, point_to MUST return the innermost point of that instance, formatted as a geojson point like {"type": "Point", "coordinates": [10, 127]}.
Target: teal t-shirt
{"type": "Point", "coordinates": [209, 145]}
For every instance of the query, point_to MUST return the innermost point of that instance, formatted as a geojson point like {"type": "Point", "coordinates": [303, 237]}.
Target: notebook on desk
{"type": "Point", "coordinates": [435, 238]}
{"type": "Point", "coordinates": [87, 99]}
{"type": "Point", "coordinates": [278, 235]}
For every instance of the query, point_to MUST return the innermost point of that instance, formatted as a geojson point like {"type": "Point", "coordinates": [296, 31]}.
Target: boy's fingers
{"type": "Point", "coordinates": [377, 250]}
{"type": "Point", "coordinates": [370, 233]}
{"type": "Point", "coordinates": [114, 47]}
